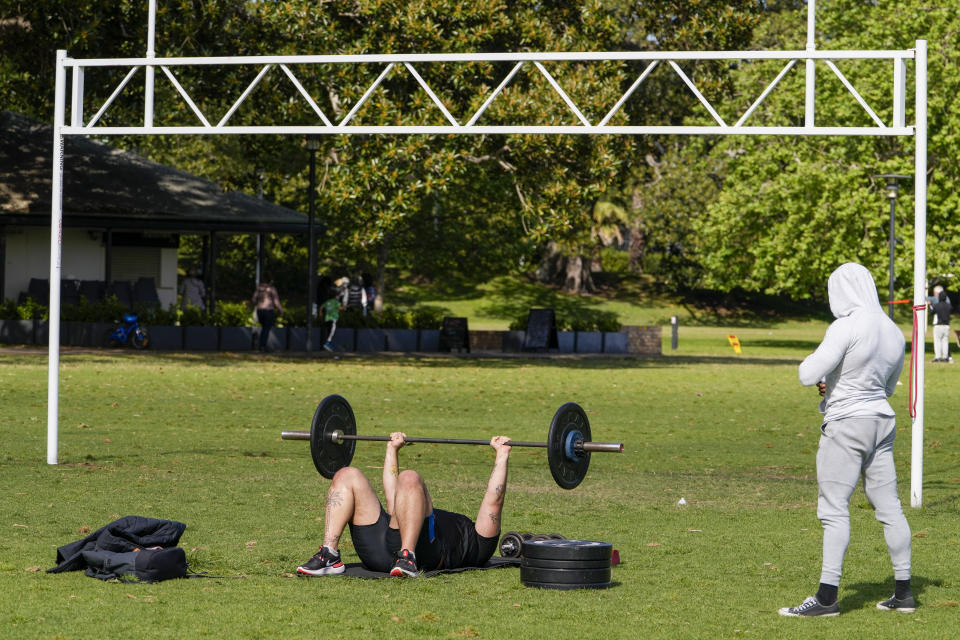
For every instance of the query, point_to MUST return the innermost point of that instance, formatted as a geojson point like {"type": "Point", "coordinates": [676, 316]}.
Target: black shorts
{"type": "Point", "coordinates": [376, 544]}
{"type": "Point", "coordinates": [455, 543]}
{"type": "Point", "coordinates": [447, 541]}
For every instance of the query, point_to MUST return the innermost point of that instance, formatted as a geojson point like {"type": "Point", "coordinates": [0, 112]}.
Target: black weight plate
{"type": "Point", "coordinates": [556, 536]}
{"type": "Point", "coordinates": [565, 576]}
{"type": "Point", "coordinates": [541, 563]}
{"type": "Point", "coordinates": [565, 587]}
{"type": "Point", "coordinates": [567, 549]}
{"type": "Point", "coordinates": [568, 418]}
{"type": "Point", "coordinates": [510, 545]}
{"type": "Point", "coordinates": [333, 414]}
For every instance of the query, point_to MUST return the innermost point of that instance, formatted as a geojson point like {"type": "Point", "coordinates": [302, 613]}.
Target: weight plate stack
{"type": "Point", "coordinates": [566, 564]}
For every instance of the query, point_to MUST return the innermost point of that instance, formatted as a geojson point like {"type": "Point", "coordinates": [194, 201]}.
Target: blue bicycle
{"type": "Point", "coordinates": [130, 331]}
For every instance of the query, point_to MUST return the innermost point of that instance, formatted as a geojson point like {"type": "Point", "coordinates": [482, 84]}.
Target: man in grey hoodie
{"type": "Point", "coordinates": [856, 369]}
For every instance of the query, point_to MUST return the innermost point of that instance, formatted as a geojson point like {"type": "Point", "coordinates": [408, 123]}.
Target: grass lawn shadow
{"type": "Point", "coordinates": [867, 594]}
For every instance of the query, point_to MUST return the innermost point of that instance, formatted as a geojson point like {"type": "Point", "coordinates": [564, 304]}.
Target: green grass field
{"type": "Point", "coordinates": [195, 438]}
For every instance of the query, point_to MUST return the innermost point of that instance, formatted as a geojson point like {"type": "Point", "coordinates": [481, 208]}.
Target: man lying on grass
{"type": "Point", "coordinates": [408, 536]}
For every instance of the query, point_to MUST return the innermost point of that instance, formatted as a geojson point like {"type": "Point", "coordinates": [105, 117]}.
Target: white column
{"type": "Point", "coordinates": [148, 71]}
{"type": "Point", "coordinates": [811, 87]}
{"type": "Point", "coordinates": [56, 234]}
{"type": "Point", "coordinates": [919, 270]}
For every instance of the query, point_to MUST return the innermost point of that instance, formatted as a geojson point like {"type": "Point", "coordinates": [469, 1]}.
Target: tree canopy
{"type": "Point", "coordinates": [765, 214]}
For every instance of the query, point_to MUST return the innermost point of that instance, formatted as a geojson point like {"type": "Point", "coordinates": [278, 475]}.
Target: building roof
{"type": "Point", "coordinates": [104, 187]}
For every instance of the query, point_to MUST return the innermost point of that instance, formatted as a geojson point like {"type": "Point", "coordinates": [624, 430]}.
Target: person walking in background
{"type": "Point", "coordinates": [266, 300]}
{"type": "Point", "coordinates": [370, 291]}
{"type": "Point", "coordinates": [342, 285]}
{"type": "Point", "coordinates": [192, 292]}
{"type": "Point", "coordinates": [356, 295]}
{"type": "Point", "coordinates": [855, 369]}
{"type": "Point", "coordinates": [329, 314]}
{"type": "Point", "coordinates": [941, 328]}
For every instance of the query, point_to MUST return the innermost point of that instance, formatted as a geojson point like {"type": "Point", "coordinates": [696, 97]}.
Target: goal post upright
{"type": "Point", "coordinates": [534, 63]}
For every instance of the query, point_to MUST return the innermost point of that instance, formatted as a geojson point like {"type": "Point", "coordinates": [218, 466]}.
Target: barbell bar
{"type": "Point", "coordinates": [333, 437]}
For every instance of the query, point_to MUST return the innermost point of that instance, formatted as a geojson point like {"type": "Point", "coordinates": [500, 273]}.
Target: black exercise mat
{"type": "Point", "coordinates": [357, 570]}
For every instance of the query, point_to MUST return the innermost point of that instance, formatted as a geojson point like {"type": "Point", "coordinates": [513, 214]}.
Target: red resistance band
{"type": "Point", "coordinates": [917, 336]}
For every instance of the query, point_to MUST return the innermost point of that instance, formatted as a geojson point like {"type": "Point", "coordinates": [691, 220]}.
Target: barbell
{"type": "Point", "coordinates": [333, 439]}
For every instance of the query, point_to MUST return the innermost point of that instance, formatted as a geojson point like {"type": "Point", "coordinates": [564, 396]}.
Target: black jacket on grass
{"type": "Point", "coordinates": [123, 547]}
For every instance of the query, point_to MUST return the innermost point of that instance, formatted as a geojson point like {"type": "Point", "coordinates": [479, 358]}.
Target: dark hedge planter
{"type": "Point", "coordinates": [200, 338]}
{"type": "Point", "coordinates": [429, 340]}
{"type": "Point", "coordinates": [236, 338]}
{"type": "Point", "coordinates": [71, 333]}
{"type": "Point", "coordinates": [513, 340]}
{"type": "Point", "coordinates": [297, 339]}
{"type": "Point", "coordinates": [16, 331]}
{"type": "Point", "coordinates": [87, 334]}
{"type": "Point", "coordinates": [614, 342]}
{"type": "Point", "coordinates": [565, 341]}
{"type": "Point", "coordinates": [343, 339]}
{"type": "Point", "coordinates": [165, 337]}
{"type": "Point", "coordinates": [589, 342]}
{"type": "Point", "coordinates": [401, 339]}
{"type": "Point", "coordinates": [371, 340]}
{"type": "Point", "coordinates": [277, 340]}
{"type": "Point", "coordinates": [41, 332]}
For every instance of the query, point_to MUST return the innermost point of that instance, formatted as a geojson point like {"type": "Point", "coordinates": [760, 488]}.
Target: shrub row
{"type": "Point", "coordinates": [581, 320]}
{"type": "Point", "coordinates": [227, 314]}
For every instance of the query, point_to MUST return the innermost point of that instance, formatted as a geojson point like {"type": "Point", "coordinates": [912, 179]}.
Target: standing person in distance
{"type": "Point", "coordinates": [266, 300]}
{"type": "Point", "coordinates": [941, 328]}
{"type": "Point", "coordinates": [856, 369]}
{"type": "Point", "coordinates": [356, 295]}
{"type": "Point", "coordinates": [192, 291]}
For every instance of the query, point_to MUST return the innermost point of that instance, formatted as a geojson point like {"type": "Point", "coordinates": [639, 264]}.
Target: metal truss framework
{"type": "Point", "coordinates": [537, 62]}
{"type": "Point", "coordinates": [78, 125]}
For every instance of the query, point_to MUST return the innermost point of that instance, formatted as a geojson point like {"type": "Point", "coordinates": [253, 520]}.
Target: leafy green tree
{"type": "Point", "coordinates": [791, 209]}
{"type": "Point", "coordinates": [427, 204]}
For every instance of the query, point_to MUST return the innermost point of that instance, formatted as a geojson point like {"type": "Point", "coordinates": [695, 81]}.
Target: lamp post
{"type": "Point", "coordinates": [312, 146]}
{"type": "Point", "coordinates": [892, 187]}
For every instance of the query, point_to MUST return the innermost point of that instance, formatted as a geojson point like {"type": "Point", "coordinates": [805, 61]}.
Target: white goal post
{"type": "Point", "coordinates": [537, 63]}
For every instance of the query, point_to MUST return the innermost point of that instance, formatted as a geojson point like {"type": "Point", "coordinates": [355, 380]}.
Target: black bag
{"type": "Point", "coordinates": [146, 565]}
{"type": "Point", "coordinates": [154, 565]}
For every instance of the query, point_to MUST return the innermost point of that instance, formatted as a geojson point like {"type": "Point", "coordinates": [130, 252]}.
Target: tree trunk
{"type": "Point", "coordinates": [572, 273]}
{"type": "Point", "coordinates": [638, 250]}
{"type": "Point", "coordinates": [381, 276]}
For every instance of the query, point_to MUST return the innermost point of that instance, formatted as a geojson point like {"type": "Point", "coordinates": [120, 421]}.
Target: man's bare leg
{"type": "Point", "coordinates": [412, 505]}
{"type": "Point", "coordinates": [350, 499]}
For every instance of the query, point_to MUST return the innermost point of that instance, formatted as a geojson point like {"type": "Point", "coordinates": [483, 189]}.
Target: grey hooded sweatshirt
{"type": "Point", "coordinates": [861, 355]}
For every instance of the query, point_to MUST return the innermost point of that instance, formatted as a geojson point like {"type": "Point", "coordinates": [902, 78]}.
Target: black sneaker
{"type": "Point", "coordinates": [406, 565]}
{"type": "Point", "coordinates": [907, 605]}
{"type": "Point", "coordinates": [810, 608]}
{"type": "Point", "coordinates": [322, 563]}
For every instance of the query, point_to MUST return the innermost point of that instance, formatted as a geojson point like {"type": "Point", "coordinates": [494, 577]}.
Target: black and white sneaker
{"type": "Point", "coordinates": [405, 566]}
{"type": "Point", "coordinates": [323, 563]}
{"type": "Point", "coordinates": [810, 608]}
{"type": "Point", "coordinates": [907, 605]}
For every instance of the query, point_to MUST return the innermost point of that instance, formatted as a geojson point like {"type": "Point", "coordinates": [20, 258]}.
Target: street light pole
{"type": "Point", "coordinates": [312, 146]}
{"type": "Point", "coordinates": [893, 188]}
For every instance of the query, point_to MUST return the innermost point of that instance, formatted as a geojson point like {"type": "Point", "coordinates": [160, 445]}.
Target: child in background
{"type": "Point", "coordinates": [330, 313]}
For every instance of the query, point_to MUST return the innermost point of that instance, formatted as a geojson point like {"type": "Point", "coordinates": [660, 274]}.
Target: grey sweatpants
{"type": "Point", "coordinates": [848, 449]}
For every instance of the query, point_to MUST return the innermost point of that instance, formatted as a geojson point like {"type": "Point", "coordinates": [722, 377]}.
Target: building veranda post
{"type": "Point", "coordinates": [165, 69]}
